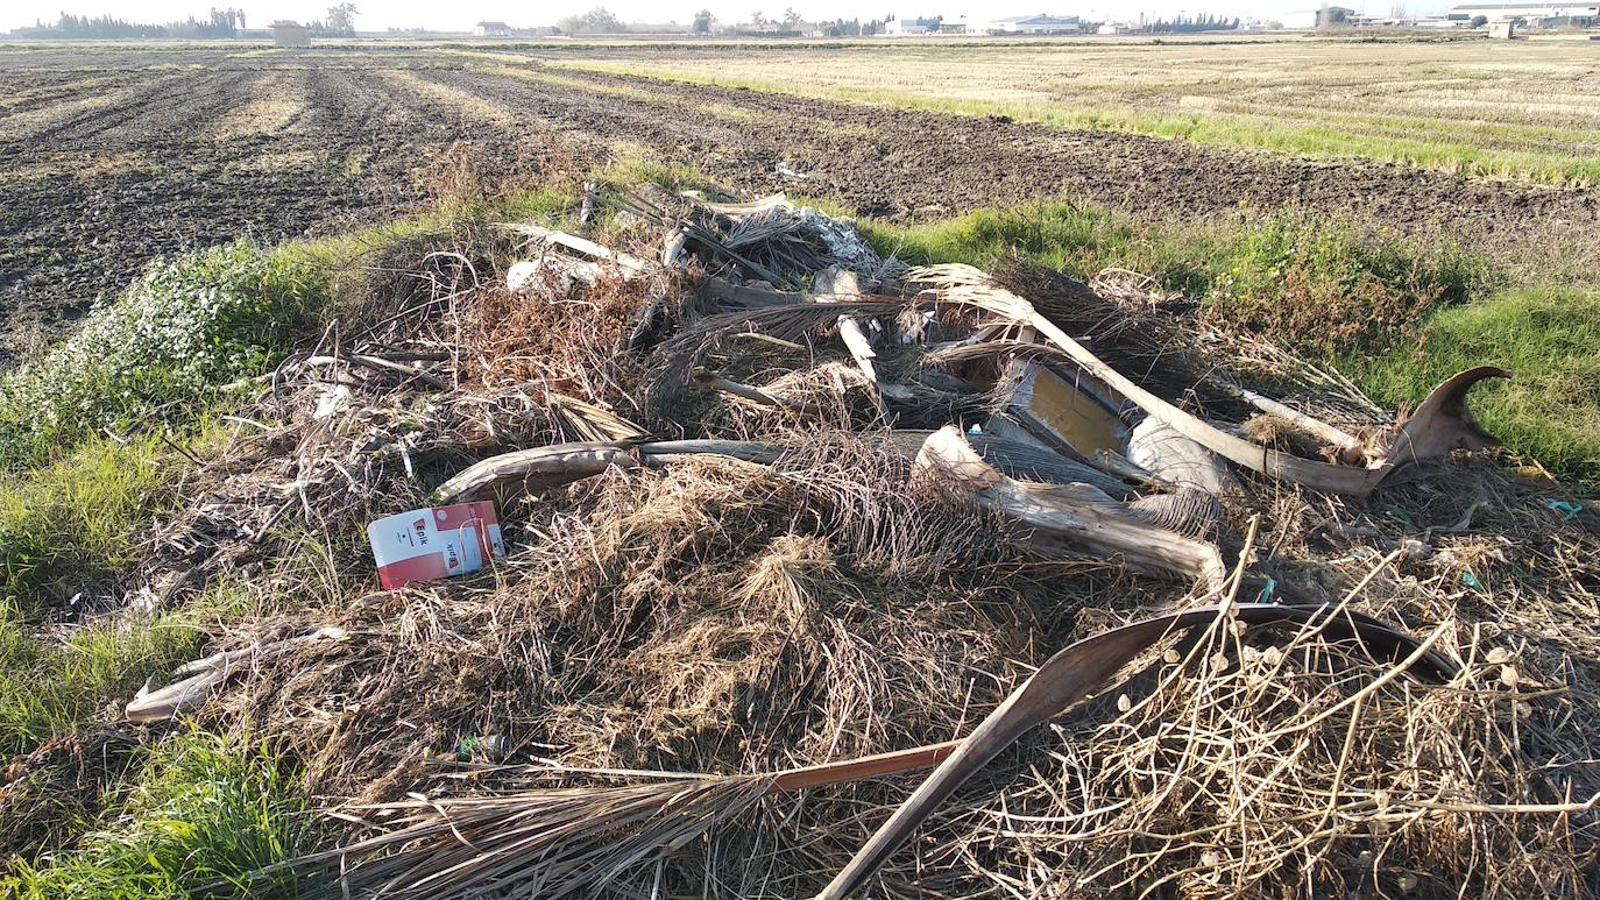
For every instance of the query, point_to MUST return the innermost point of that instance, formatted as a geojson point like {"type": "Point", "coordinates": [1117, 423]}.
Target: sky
{"type": "Point", "coordinates": [377, 15]}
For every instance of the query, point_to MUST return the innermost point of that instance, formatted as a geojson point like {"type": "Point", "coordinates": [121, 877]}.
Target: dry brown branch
{"type": "Point", "coordinates": [1079, 514]}
{"type": "Point", "coordinates": [1441, 423]}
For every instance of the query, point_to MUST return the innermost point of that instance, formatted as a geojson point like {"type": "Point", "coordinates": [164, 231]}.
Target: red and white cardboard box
{"type": "Point", "coordinates": [436, 542]}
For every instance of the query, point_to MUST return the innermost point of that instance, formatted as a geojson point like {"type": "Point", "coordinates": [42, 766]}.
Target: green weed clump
{"type": "Point", "coordinates": [1548, 337]}
{"type": "Point", "coordinates": [158, 352]}
{"type": "Point", "coordinates": [68, 528]}
{"type": "Point", "coordinates": [48, 689]}
{"type": "Point", "coordinates": [1075, 239]}
{"type": "Point", "coordinates": [203, 814]}
{"type": "Point", "coordinates": [1326, 288]}
{"type": "Point", "coordinates": [1320, 287]}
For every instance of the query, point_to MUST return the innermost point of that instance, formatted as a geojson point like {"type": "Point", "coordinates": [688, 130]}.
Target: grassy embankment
{"type": "Point", "coordinates": [90, 465]}
{"type": "Point", "coordinates": [95, 440]}
{"type": "Point", "coordinates": [1318, 105]}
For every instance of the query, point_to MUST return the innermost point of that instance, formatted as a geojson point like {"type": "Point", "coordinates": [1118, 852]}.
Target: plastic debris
{"type": "Point", "coordinates": [1566, 509]}
{"type": "Point", "coordinates": [435, 542]}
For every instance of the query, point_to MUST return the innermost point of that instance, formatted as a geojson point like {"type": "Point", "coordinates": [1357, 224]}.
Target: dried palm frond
{"type": "Point", "coordinates": [548, 843]}
{"type": "Point", "coordinates": [1189, 512]}
{"type": "Point", "coordinates": [553, 842]}
{"type": "Point", "coordinates": [952, 354]}
{"type": "Point", "coordinates": [1155, 349]}
{"type": "Point", "coordinates": [781, 242]}
{"type": "Point", "coordinates": [1441, 425]}
{"type": "Point", "coordinates": [1165, 344]}
{"type": "Point", "coordinates": [588, 422]}
{"type": "Point", "coordinates": [675, 360]}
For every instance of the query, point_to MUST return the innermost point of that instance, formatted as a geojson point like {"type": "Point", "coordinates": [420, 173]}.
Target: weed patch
{"type": "Point", "coordinates": [157, 353]}
{"type": "Point", "coordinates": [68, 528]}
{"type": "Point", "coordinates": [48, 690]}
{"type": "Point", "coordinates": [1324, 288]}
{"type": "Point", "coordinates": [1077, 240]}
{"type": "Point", "coordinates": [1548, 337]}
{"type": "Point", "coordinates": [204, 812]}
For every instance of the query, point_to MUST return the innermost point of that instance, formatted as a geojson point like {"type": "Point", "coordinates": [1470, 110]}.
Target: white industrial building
{"type": "Point", "coordinates": [903, 26]}
{"type": "Point", "coordinates": [1039, 24]}
{"type": "Point", "coordinates": [1548, 15]}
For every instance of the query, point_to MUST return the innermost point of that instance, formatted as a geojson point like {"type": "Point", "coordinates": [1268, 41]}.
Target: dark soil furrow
{"type": "Point", "coordinates": [895, 162]}
{"type": "Point", "coordinates": [40, 91]}
{"type": "Point", "coordinates": [149, 94]}
{"type": "Point", "coordinates": [380, 125]}
{"type": "Point", "coordinates": [600, 114]}
{"type": "Point", "coordinates": [179, 115]}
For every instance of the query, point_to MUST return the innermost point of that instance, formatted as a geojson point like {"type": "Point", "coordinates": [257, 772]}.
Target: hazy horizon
{"type": "Point", "coordinates": [436, 17]}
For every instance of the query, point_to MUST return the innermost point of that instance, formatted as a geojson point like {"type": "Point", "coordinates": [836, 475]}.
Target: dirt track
{"type": "Point", "coordinates": [111, 157]}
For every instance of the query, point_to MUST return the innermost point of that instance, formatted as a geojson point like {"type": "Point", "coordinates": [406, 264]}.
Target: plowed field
{"type": "Point", "coordinates": [109, 157]}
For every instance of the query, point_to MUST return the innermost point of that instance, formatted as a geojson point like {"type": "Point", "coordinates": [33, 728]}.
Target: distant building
{"type": "Point", "coordinates": [290, 34]}
{"type": "Point", "coordinates": [1334, 16]}
{"type": "Point", "coordinates": [1542, 15]}
{"type": "Point", "coordinates": [1406, 22]}
{"type": "Point", "coordinates": [901, 27]}
{"type": "Point", "coordinates": [1039, 24]}
{"type": "Point", "coordinates": [491, 29]}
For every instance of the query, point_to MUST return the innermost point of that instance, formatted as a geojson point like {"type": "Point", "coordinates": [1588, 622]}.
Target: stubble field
{"type": "Point", "coordinates": [1516, 110]}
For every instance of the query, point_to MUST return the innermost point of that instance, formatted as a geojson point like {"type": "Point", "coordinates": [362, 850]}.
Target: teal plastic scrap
{"type": "Point", "coordinates": [1267, 591]}
{"type": "Point", "coordinates": [1566, 509]}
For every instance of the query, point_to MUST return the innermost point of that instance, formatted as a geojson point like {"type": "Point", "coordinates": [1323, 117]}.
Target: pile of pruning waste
{"type": "Point", "coordinates": [826, 576]}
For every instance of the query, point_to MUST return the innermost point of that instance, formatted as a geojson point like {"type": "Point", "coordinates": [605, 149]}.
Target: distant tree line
{"type": "Point", "coordinates": [222, 23]}
{"type": "Point", "coordinates": [602, 21]}
{"type": "Point", "coordinates": [596, 21]}
{"type": "Point", "coordinates": [791, 23]}
{"type": "Point", "coordinates": [1192, 24]}
{"type": "Point", "coordinates": [850, 27]}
